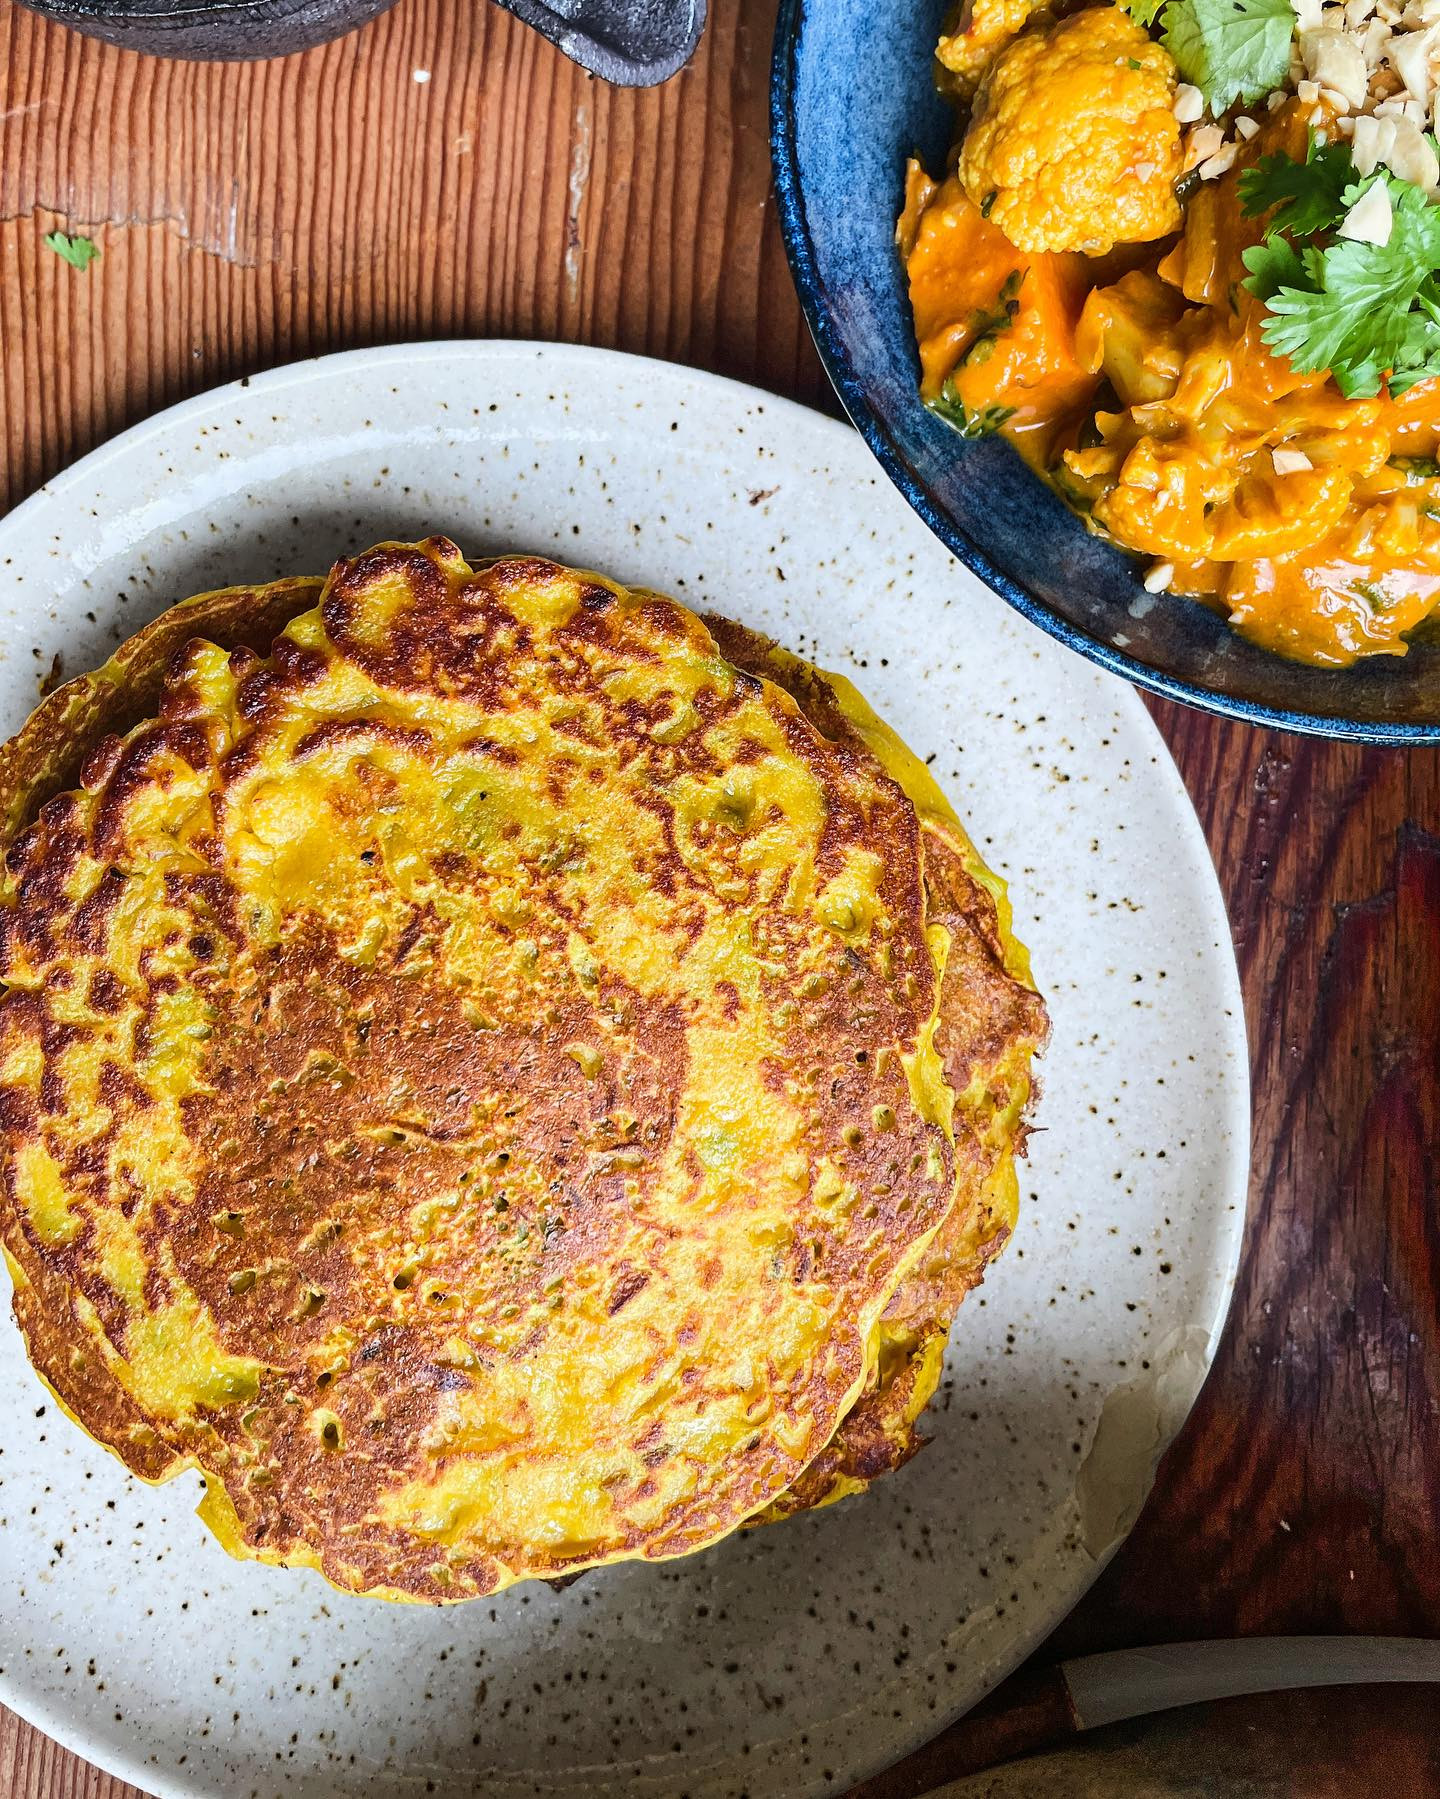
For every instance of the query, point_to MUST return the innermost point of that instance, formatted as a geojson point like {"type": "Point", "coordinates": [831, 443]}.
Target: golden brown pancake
{"type": "Point", "coordinates": [991, 1023]}
{"type": "Point", "coordinates": [474, 1079]}
{"type": "Point", "coordinates": [44, 758]}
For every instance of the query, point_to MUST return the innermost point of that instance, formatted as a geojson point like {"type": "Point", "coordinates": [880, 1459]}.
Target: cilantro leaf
{"type": "Point", "coordinates": [1362, 311]}
{"type": "Point", "coordinates": [987, 326]}
{"type": "Point", "coordinates": [79, 252]}
{"type": "Point", "coordinates": [1418, 358]}
{"type": "Point", "coordinates": [1374, 596]}
{"type": "Point", "coordinates": [948, 405]}
{"type": "Point", "coordinates": [1308, 196]}
{"type": "Point", "coordinates": [1143, 12]}
{"type": "Point", "coordinates": [1274, 264]}
{"type": "Point", "coordinates": [1230, 49]}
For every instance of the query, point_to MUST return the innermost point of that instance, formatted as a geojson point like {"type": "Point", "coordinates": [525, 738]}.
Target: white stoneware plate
{"type": "Point", "coordinates": [797, 1659]}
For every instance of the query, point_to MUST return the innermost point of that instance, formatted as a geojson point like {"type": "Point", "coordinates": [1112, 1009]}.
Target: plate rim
{"type": "Point", "coordinates": [804, 270]}
{"type": "Point", "coordinates": [1229, 1002]}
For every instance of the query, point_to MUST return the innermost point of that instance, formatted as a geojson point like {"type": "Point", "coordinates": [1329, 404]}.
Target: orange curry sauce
{"type": "Point", "coordinates": [1139, 386]}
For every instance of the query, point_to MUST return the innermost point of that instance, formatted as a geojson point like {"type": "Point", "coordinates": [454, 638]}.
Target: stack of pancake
{"type": "Point", "coordinates": [500, 1074]}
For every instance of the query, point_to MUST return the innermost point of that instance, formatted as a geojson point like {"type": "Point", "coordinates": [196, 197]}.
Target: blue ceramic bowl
{"type": "Point", "coordinates": [851, 98]}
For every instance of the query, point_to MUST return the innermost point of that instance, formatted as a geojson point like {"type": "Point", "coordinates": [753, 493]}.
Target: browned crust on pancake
{"type": "Point", "coordinates": [321, 999]}
{"type": "Point", "coordinates": [70, 1365]}
{"type": "Point", "coordinates": [43, 759]}
{"type": "Point", "coordinates": [48, 754]}
{"type": "Point", "coordinates": [991, 1025]}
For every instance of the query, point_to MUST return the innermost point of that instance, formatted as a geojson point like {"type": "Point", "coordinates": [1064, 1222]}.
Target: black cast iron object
{"type": "Point", "coordinates": [633, 43]}
{"type": "Point", "coordinates": [213, 30]}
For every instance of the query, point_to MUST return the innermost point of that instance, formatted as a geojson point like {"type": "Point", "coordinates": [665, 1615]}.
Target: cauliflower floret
{"type": "Point", "coordinates": [1170, 503]}
{"type": "Point", "coordinates": [973, 33]}
{"type": "Point", "coordinates": [1073, 143]}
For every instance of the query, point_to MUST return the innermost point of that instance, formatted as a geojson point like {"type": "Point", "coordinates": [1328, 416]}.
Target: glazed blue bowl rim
{"type": "Point", "coordinates": [801, 254]}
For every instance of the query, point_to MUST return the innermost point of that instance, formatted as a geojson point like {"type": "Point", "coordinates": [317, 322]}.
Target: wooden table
{"type": "Point", "coordinates": [248, 215]}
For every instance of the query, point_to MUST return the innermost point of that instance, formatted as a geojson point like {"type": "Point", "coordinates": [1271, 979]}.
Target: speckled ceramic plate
{"type": "Point", "coordinates": [802, 1657]}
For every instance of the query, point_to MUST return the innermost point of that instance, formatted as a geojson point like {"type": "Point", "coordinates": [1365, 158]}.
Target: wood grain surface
{"type": "Point", "coordinates": [250, 214]}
